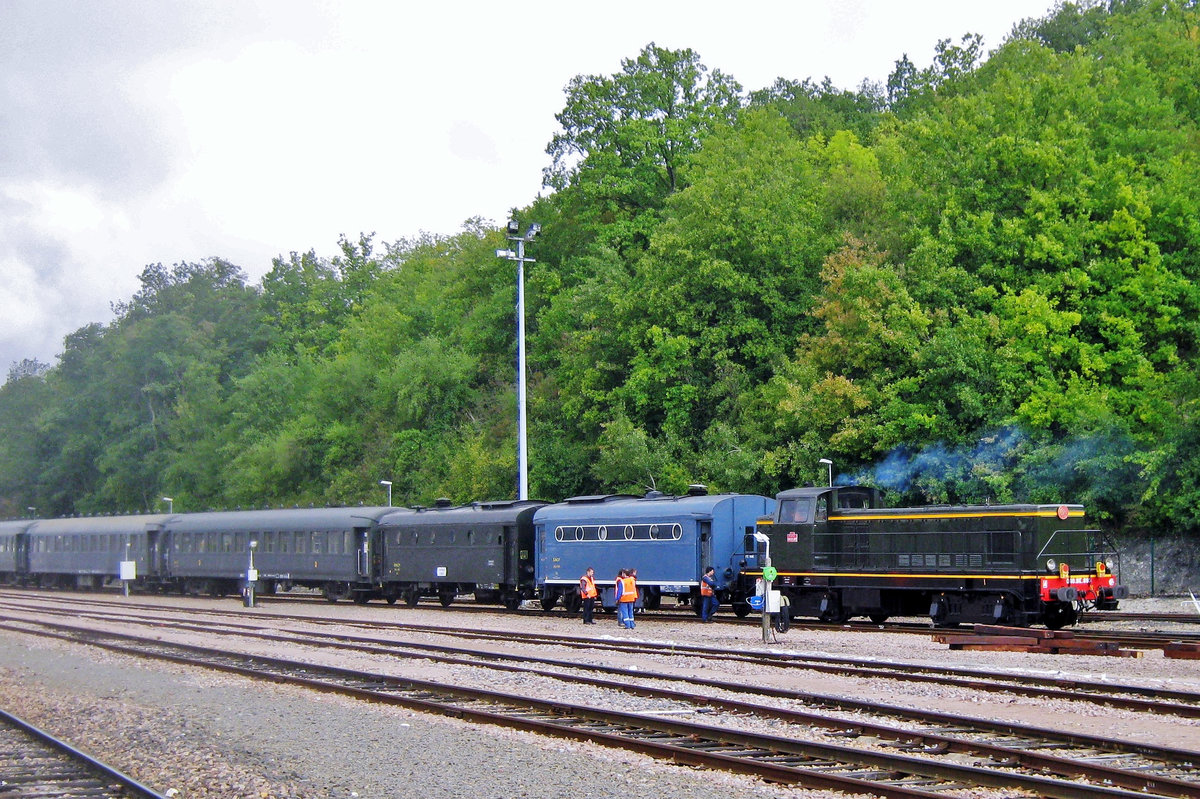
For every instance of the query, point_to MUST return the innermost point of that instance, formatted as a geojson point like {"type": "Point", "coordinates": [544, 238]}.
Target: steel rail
{"type": "Point", "coordinates": [777, 759]}
{"type": "Point", "coordinates": [35, 763]}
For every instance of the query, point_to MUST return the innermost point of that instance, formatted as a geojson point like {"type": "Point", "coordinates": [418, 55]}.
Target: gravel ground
{"type": "Point", "coordinates": [190, 733]}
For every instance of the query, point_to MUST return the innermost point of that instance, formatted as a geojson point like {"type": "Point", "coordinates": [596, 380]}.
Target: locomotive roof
{"type": "Point", "coordinates": [473, 513]}
{"type": "Point", "coordinates": [277, 519]}
{"type": "Point", "coordinates": [653, 504]}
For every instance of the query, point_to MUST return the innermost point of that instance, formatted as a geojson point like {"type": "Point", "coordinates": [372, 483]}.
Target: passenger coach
{"type": "Point", "coordinates": [87, 551]}
{"type": "Point", "coordinates": [327, 548]}
{"type": "Point", "coordinates": [484, 548]}
{"type": "Point", "coordinates": [668, 539]}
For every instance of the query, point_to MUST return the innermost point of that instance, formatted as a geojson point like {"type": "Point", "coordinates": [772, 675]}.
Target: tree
{"type": "Point", "coordinates": [625, 137]}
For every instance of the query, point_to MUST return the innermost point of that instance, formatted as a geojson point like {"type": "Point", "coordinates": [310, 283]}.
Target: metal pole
{"type": "Point", "coordinates": [522, 463]}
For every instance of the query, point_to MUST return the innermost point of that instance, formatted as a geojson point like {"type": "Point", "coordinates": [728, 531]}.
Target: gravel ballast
{"type": "Point", "coordinates": [190, 733]}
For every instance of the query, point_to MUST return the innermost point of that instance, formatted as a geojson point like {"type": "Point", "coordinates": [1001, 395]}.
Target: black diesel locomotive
{"type": "Point", "coordinates": [837, 551]}
{"type": "Point", "coordinates": [839, 554]}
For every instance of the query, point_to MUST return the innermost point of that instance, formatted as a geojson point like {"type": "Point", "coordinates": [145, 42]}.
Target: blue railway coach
{"type": "Point", "coordinates": [668, 539]}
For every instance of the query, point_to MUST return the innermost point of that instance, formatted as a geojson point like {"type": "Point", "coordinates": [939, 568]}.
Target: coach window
{"type": "Point", "coordinates": [316, 543]}
{"type": "Point", "coordinates": [301, 543]}
{"type": "Point", "coordinates": [348, 542]}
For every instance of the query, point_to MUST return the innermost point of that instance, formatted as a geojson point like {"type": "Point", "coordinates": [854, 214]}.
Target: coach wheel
{"type": "Point", "coordinates": [445, 599]}
{"type": "Point", "coordinates": [412, 598]}
{"type": "Point", "coordinates": [547, 599]}
{"type": "Point", "coordinates": [335, 591]}
{"type": "Point", "coordinates": [361, 597]}
{"type": "Point", "coordinates": [512, 600]}
{"type": "Point", "coordinates": [390, 599]}
{"type": "Point", "coordinates": [877, 618]}
{"type": "Point", "coordinates": [652, 599]}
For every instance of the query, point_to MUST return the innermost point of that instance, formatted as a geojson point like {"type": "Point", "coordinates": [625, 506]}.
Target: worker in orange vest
{"type": "Point", "coordinates": [587, 590]}
{"type": "Point", "coordinates": [708, 594]}
{"type": "Point", "coordinates": [626, 597]}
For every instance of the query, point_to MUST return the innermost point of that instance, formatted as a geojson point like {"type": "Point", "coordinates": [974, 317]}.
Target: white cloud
{"type": "Point", "coordinates": [153, 132]}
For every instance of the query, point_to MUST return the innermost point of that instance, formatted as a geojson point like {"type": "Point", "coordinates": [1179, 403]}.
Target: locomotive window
{"type": "Point", "coordinates": [628, 532]}
{"type": "Point", "coordinates": [470, 537]}
{"type": "Point", "coordinates": [579, 533]}
{"type": "Point", "coordinates": [822, 509]}
{"type": "Point", "coordinates": [602, 533]}
{"type": "Point", "coordinates": [793, 510]}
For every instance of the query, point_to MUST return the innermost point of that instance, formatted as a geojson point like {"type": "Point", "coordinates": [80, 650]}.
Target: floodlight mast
{"type": "Point", "coordinates": [513, 229]}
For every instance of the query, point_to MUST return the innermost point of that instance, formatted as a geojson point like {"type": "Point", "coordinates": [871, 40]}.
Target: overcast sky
{"type": "Point", "coordinates": [143, 131]}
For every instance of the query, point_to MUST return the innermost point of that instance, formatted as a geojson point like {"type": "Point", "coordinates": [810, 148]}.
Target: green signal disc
{"type": "Point", "coordinates": [770, 573]}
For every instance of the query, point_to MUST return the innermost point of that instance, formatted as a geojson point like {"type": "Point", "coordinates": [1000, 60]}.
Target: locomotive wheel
{"type": "Point", "coordinates": [548, 599]}
{"type": "Point", "coordinates": [572, 602]}
{"type": "Point", "coordinates": [741, 608]}
{"type": "Point", "coordinates": [1059, 615]}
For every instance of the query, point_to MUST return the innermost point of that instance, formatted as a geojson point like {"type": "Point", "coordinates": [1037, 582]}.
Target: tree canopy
{"type": "Point", "coordinates": [976, 282]}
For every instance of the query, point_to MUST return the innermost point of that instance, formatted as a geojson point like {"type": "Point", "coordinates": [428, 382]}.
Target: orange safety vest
{"type": "Point", "coordinates": [628, 589]}
{"type": "Point", "coordinates": [587, 587]}
{"type": "Point", "coordinates": [705, 588]}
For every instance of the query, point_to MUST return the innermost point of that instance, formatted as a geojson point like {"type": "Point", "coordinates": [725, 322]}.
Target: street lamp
{"type": "Point", "coordinates": [251, 577]}
{"type": "Point", "coordinates": [388, 485]}
{"type": "Point", "coordinates": [514, 234]}
{"type": "Point", "coordinates": [829, 464]}
{"type": "Point", "coordinates": [170, 504]}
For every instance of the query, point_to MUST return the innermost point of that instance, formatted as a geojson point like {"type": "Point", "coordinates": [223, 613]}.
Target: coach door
{"type": "Point", "coordinates": [365, 552]}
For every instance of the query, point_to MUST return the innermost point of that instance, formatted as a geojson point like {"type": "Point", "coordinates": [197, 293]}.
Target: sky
{"type": "Point", "coordinates": [135, 132]}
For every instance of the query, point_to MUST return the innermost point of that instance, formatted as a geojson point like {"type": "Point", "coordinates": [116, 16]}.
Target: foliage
{"type": "Point", "coordinates": [977, 282]}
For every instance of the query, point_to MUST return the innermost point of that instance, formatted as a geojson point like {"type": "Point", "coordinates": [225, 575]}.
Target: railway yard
{"type": "Point", "coordinates": [300, 698]}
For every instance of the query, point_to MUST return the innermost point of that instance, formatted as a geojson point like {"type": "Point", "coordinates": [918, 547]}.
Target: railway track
{"type": "Point", "coordinates": [1158, 699]}
{"type": "Point", "coordinates": [878, 763]}
{"type": "Point", "coordinates": [34, 763]}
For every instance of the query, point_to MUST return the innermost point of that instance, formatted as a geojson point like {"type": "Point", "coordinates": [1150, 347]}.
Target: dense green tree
{"type": "Point", "coordinates": [625, 137]}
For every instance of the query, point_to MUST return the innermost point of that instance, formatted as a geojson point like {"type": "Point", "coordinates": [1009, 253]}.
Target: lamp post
{"type": "Point", "coordinates": [170, 504]}
{"type": "Point", "coordinates": [251, 576]}
{"type": "Point", "coordinates": [388, 485]}
{"type": "Point", "coordinates": [514, 234]}
{"type": "Point", "coordinates": [828, 463]}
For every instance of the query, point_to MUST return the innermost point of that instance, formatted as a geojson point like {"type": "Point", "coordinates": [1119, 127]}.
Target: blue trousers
{"type": "Point", "coordinates": [625, 614]}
